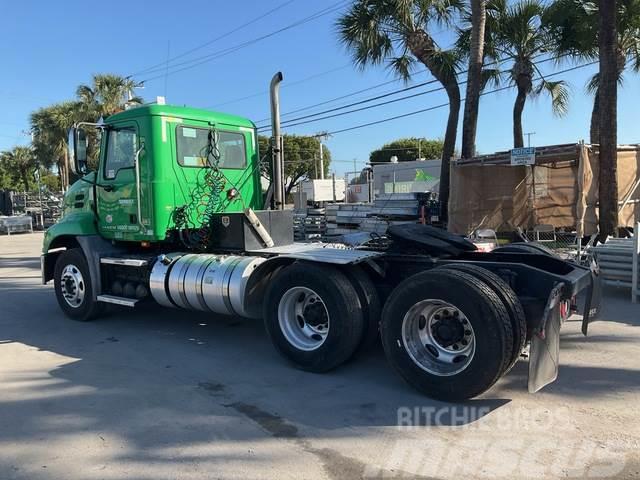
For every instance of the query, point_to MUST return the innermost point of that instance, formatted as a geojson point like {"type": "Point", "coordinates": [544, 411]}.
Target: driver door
{"type": "Point", "coordinates": [117, 202]}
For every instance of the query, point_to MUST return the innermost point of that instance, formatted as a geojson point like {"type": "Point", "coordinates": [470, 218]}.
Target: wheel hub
{"type": "Point", "coordinates": [72, 286]}
{"type": "Point", "coordinates": [303, 318]}
{"type": "Point", "coordinates": [447, 331]}
{"type": "Point", "coordinates": [438, 337]}
{"type": "Point", "coordinates": [315, 314]}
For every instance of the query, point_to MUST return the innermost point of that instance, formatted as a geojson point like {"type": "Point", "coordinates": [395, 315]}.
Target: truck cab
{"type": "Point", "coordinates": [152, 161]}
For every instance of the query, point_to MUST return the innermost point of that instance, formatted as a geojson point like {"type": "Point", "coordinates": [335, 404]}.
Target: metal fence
{"type": "Point", "coordinates": [45, 207]}
{"type": "Point", "coordinates": [618, 260]}
{"type": "Point", "coordinates": [564, 242]}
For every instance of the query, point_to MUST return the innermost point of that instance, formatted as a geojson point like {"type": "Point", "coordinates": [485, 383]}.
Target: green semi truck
{"type": "Point", "coordinates": [175, 213]}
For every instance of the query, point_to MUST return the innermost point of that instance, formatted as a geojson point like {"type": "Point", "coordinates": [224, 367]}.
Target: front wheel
{"type": "Point", "coordinates": [313, 316]}
{"type": "Point", "coordinates": [73, 287]}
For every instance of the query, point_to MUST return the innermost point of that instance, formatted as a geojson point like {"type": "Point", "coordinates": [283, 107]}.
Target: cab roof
{"type": "Point", "coordinates": [180, 112]}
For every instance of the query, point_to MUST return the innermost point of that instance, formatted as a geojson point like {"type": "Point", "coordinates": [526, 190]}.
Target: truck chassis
{"type": "Point", "coordinates": [451, 324]}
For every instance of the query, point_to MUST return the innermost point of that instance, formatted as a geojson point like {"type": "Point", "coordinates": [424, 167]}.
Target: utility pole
{"type": "Point", "coordinates": [322, 136]}
{"type": "Point", "coordinates": [528, 134]}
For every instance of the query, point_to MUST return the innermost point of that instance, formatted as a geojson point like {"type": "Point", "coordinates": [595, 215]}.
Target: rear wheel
{"type": "Point", "coordinates": [447, 334]}
{"type": "Point", "coordinates": [371, 306]}
{"type": "Point", "coordinates": [313, 316]}
{"type": "Point", "coordinates": [508, 298]}
{"type": "Point", "coordinates": [74, 290]}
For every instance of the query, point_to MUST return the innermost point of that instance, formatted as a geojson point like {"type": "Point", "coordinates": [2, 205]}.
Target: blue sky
{"type": "Point", "coordinates": [48, 48]}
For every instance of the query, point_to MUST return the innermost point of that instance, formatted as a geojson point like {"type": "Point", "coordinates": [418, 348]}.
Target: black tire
{"type": "Point", "coordinates": [371, 306]}
{"type": "Point", "coordinates": [526, 247]}
{"type": "Point", "coordinates": [343, 307]}
{"type": "Point", "coordinates": [87, 308]}
{"type": "Point", "coordinates": [508, 298]}
{"type": "Point", "coordinates": [484, 311]}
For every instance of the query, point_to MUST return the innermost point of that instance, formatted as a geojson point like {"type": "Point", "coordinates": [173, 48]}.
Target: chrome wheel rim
{"type": "Point", "coordinates": [303, 318]}
{"type": "Point", "coordinates": [72, 286]}
{"type": "Point", "coordinates": [438, 337]}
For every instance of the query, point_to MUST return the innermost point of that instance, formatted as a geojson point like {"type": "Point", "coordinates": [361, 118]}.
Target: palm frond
{"type": "Point", "coordinates": [402, 66]}
{"type": "Point", "coordinates": [593, 84]}
{"type": "Point", "coordinates": [446, 62]}
{"type": "Point", "coordinates": [364, 30]}
{"type": "Point", "coordinates": [490, 76]}
{"type": "Point", "coordinates": [559, 93]}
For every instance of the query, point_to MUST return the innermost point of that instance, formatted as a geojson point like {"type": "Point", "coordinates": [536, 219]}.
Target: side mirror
{"type": "Point", "coordinates": [77, 147]}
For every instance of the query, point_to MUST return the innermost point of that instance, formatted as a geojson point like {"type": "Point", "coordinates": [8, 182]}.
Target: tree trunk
{"type": "Point", "coordinates": [608, 98]}
{"type": "Point", "coordinates": [423, 48]}
{"type": "Point", "coordinates": [25, 179]}
{"type": "Point", "coordinates": [518, 108]}
{"type": "Point", "coordinates": [474, 78]}
{"type": "Point", "coordinates": [449, 147]}
{"type": "Point", "coordinates": [594, 130]}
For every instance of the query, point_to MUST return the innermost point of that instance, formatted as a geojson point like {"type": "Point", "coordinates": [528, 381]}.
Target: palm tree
{"type": "Point", "coordinates": [49, 126]}
{"type": "Point", "coordinates": [474, 77]}
{"type": "Point", "coordinates": [398, 32]}
{"type": "Point", "coordinates": [107, 95]}
{"type": "Point", "coordinates": [23, 163]}
{"type": "Point", "coordinates": [518, 38]}
{"type": "Point", "coordinates": [608, 98]}
{"type": "Point", "coordinates": [573, 25]}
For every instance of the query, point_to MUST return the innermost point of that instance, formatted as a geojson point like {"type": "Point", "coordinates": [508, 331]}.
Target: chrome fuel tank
{"type": "Point", "coordinates": [215, 283]}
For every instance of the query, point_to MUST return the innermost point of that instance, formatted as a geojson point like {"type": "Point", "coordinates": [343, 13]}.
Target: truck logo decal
{"type": "Point", "coordinates": [109, 218]}
{"type": "Point", "coordinates": [226, 221]}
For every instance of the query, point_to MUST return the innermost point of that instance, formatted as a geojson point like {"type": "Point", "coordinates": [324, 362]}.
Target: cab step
{"type": "Point", "coordinates": [127, 262]}
{"type": "Point", "coordinates": [124, 301]}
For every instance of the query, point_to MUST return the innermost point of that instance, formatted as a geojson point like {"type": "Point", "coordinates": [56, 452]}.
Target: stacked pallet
{"type": "Point", "coordinates": [298, 226]}
{"type": "Point", "coordinates": [387, 209]}
{"type": "Point", "coordinates": [345, 218]}
{"type": "Point", "coordinates": [315, 224]}
{"type": "Point", "coordinates": [311, 224]}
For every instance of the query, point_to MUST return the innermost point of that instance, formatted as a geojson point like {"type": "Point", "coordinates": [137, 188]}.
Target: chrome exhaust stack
{"type": "Point", "coordinates": [276, 152]}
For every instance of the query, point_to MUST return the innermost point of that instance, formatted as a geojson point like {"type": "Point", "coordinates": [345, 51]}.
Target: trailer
{"type": "Point", "coordinates": [174, 214]}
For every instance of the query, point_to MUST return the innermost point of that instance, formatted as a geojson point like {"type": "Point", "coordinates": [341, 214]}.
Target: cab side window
{"type": "Point", "coordinates": [121, 152]}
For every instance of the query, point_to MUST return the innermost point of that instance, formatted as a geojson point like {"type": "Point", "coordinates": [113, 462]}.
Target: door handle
{"type": "Point", "coordinates": [107, 188]}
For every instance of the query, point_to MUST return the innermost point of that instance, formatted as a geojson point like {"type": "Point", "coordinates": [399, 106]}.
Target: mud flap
{"type": "Point", "coordinates": [544, 353]}
{"type": "Point", "coordinates": [593, 298]}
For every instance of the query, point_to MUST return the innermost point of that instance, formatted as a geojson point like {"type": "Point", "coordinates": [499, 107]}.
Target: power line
{"type": "Point", "coordinates": [367, 100]}
{"type": "Point", "coordinates": [289, 84]}
{"type": "Point", "coordinates": [289, 124]}
{"type": "Point", "coordinates": [212, 56]}
{"type": "Point", "coordinates": [216, 39]}
{"type": "Point", "coordinates": [339, 114]}
{"type": "Point", "coordinates": [396, 117]}
{"type": "Point", "coordinates": [373, 87]}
